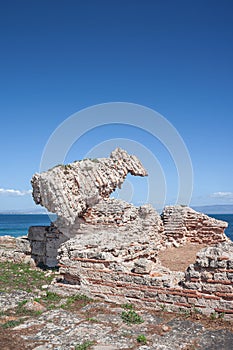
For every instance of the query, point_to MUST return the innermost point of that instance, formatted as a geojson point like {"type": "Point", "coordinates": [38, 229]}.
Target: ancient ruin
{"type": "Point", "coordinates": [109, 248]}
{"type": "Point", "coordinates": [70, 189]}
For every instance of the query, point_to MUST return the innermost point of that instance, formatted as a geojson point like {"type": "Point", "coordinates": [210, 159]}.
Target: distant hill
{"type": "Point", "coordinates": [215, 209]}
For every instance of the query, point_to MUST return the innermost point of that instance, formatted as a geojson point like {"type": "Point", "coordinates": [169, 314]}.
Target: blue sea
{"type": "Point", "coordinates": [17, 225]}
{"type": "Point", "coordinates": [228, 218]}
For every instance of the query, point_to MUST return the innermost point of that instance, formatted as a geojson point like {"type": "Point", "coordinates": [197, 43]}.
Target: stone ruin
{"type": "Point", "coordinates": [109, 248]}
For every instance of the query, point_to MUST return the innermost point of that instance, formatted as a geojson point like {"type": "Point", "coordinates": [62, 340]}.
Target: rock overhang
{"type": "Point", "coordinates": [69, 190]}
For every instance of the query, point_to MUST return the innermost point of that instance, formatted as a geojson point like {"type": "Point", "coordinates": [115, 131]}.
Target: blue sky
{"type": "Point", "coordinates": [58, 57]}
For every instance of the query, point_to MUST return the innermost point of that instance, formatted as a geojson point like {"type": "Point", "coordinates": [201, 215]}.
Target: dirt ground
{"type": "Point", "coordinates": [178, 259]}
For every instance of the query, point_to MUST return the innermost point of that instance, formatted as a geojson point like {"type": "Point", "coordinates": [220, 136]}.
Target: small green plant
{"type": "Point", "coordinates": [38, 300]}
{"type": "Point", "coordinates": [51, 307]}
{"type": "Point", "coordinates": [85, 346]}
{"type": "Point", "coordinates": [12, 323]}
{"type": "Point", "coordinates": [163, 307]}
{"type": "Point", "coordinates": [77, 297]}
{"type": "Point", "coordinates": [142, 339]}
{"type": "Point", "coordinates": [213, 315]}
{"type": "Point", "coordinates": [20, 310]}
{"type": "Point", "coordinates": [50, 296]}
{"type": "Point", "coordinates": [127, 306]}
{"type": "Point", "coordinates": [92, 319]}
{"type": "Point", "coordinates": [221, 315]}
{"type": "Point", "coordinates": [185, 312]}
{"type": "Point", "coordinates": [131, 317]}
{"type": "Point", "coordinates": [196, 310]}
{"type": "Point", "coordinates": [22, 303]}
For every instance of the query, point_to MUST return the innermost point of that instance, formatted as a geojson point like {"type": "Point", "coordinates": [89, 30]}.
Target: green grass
{"type": "Point", "coordinates": [21, 276]}
{"type": "Point", "coordinates": [76, 298]}
{"type": "Point", "coordinates": [221, 315]}
{"type": "Point", "coordinates": [185, 312]}
{"type": "Point", "coordinates": [142, 339]}
{"type": "Point", "coordinates": [50, 296]}
{"type": "Point", "coordinates": [92, 319]}
{"type": "Point", "coordinates": [127, 306]}
{"type": "Point", "coordinates": [50, 300]}
{"type": "Point", "coordinates": [85, 346]}
{"type": "Point", "coordinates": [11, 324]}
{"type": "Point", "coordinates": [20, 310]}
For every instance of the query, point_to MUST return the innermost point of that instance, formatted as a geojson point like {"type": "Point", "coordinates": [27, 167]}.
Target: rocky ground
{"type": "Point", "coordinates": [34, 316]}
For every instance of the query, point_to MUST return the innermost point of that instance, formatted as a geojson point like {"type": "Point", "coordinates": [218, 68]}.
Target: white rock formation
{"type": "Point", "coordinates": [69, 190]}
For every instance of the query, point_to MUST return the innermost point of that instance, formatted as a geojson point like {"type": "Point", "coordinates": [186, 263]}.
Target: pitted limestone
{"type": "Point", "coordinates": [69, 190]}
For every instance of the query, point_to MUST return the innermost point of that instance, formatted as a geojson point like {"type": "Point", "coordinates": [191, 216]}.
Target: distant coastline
{"type": "Point", "coordinates": [206, 209]}
{"type": "Point", "coordinates": [36, 211]}
{"type": "Point", "coordinates": [215, 209]}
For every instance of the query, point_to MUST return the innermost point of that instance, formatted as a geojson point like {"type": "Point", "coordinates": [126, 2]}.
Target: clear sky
{"type": "Point", "coordinates": [176, 57]}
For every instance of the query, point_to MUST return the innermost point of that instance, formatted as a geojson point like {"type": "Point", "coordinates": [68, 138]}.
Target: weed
{"type": "Point", "coordinates": [195, 310]}
{"type": "Point", "coordinates": [185, 312]}
{"type": "Point", "coordinates": [77, 297]}
{"type": "Point", "coordinates": [221, 315]}
{"type": "Point", "coordinates": [22, 311]}
{"type": "Point", "coordinates": [38, 300]}
{"type": "Point", "coordinates": [127, 306]}
{"type": "Point", "coordinates": [92, 319]}
{"type": "Point", "coordinates": [142, 339]}
{"type": "Point", "coordinates": [163, 307]}
{"type": "Point", "coordinates": [51, 307]}
{"type": "Point", "coordinates": [21, 276]}
{"type": "Point", "coordinates": [131, 317]}
{"type": "Point", "coordinates": [22, 303]}
{"type": "Point", "coordinates": [50, 296]}
{"type": "Point", "coordinates": [12, 323]}
{"type": "Point", "coordinates": [214, 315]}
{"type": "Point", "coordinates": [84, 346]}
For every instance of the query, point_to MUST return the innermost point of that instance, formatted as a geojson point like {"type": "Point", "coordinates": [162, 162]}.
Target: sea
{"type": "Point", "coordinates": [17, 225]}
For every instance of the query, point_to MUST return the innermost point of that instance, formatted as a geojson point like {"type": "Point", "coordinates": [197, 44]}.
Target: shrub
{"type": "Point", "coordinates": [131, 317]}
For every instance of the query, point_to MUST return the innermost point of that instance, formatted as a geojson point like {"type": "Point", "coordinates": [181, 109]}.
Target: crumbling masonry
{"type": "Point", "coordinates": [109, 248]}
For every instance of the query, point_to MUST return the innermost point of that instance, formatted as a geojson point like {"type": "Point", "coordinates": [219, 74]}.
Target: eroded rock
{"type": "Point", "coordinates": [69, 190]}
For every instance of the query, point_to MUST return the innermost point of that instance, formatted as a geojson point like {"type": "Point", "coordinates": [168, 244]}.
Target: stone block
{"type": "Point", "coordinates": [220, 276]}
{"type": "Point", "coordinates": [50, 261]}
{"type": "Point", "coordinates": [222, 264]}
{"type": "Point", "coordinates": [23, 245]}
{"type": "Point", "coordinates": [38, 248]}
{"type": "Point", "coordinates": [142, 266]}
{"type": "Point", "coordinates": [37, 233]}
